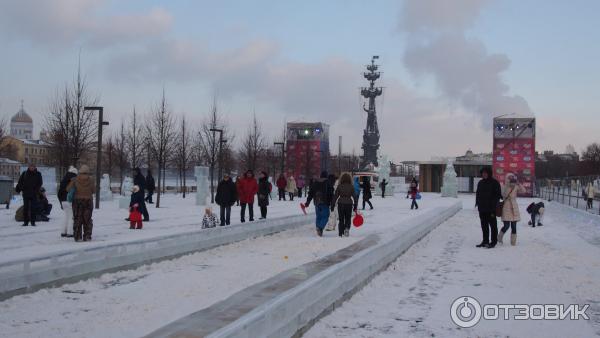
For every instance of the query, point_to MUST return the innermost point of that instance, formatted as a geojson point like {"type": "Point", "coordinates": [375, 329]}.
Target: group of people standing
{"type": "Point", "coordinates": [289, 186]}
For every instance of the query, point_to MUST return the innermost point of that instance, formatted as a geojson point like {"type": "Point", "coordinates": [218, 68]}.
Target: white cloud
{"type": "Point", "coordinates": [56, 23]}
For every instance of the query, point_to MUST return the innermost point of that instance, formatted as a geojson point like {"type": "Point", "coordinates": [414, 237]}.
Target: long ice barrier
{"type": "Point", "coordinates": [289, 303]}
{"type": "Point", "coordinates": [28, 275]}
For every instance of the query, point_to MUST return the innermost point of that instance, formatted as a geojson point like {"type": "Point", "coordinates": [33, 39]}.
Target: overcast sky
{"type": "Point", "coordinates": [448, 66]}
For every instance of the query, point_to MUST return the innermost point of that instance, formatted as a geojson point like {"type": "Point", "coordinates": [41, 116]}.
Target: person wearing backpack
{"type": "Point", "coordinates": [82, 187]}
{"type": "Point", "coordinates": [66, 206]}
{"type": "Point", "coordinates": [321, 192]}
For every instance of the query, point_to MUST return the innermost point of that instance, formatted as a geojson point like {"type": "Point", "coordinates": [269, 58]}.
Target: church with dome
{"type": "Point", "coordinates": [21, 125]}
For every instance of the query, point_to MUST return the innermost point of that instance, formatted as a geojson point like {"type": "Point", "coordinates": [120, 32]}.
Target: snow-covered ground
{"type": "Point", "coordinates": [136, 302]}
{"type": "Point", "coordinates": [176, 215]}
{"type": "Point", "coordinates": [558, 263]}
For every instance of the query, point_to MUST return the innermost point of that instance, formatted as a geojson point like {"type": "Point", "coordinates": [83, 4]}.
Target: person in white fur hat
{"type": "Point", "coordinates": [66, 206]}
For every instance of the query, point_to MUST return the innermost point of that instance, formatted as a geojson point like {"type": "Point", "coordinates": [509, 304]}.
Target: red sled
{"type": "Point", "coordinates": [358, 220]}
{"type": "Point", "coordinates": [303, 207]}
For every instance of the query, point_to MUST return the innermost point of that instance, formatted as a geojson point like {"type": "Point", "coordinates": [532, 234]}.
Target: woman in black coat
{"type": "Point", "coordinates": [226, 198]}
{"type": "Point", "coordinates": [264, 188]}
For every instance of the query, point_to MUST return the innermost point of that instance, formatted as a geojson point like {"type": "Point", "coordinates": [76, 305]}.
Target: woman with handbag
{"type": "Point", "coordinates": [510, 207]}
{"type": "Point", "coordinates": [344, 198]}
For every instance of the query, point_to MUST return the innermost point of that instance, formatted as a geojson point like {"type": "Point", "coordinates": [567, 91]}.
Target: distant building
{"type": "Point", "coordinates": [21, 125]}
{"type": "Point", "coordinates": [10, 168]}
{"type": "Point", "coordinates": [307, 149]}
{"type": "Point", "coordinates": [467, 167]}
{"type": "Point", "coordinates": [28, 151]}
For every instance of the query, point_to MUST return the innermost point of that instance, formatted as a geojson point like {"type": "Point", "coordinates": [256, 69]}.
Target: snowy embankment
{"type": "Point", "coordinates": [558, 263]}
{"type": "Point", "coordinates": [136, 302]}
{"type": "Point", "coordinates": [67, 261]}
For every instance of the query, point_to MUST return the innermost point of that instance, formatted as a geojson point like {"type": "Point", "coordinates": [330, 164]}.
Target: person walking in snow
{"type": "Point", "coordinates": [333, 215]}
{"type": "Point", "coordinates": [300, 184]}
{"type": "Point", "coordinates": [413, 192]}
{"type": "Point", "coordinates": [226, 198]}
{"type": "Point", "coordinates": [291, 188]}
{"type": "Point", "coordinates": [29, 185]}
{"type": "Point", "coordinates": [150, 186]}
{"type": "Point", "coordinates": [591, 193]}
{"type": "Point", "coordinates": [135, 215]}
{"type": "Point", "coordinates": [246, 190]}
{"type": "Point", "coordinates": [281, 184]}
{"type": "Point", "coordinates": [367, 195]}
{"type": "Point", "coordinates": [264, 187]}
{"type": "Point", "coordinates": [84, 188]}
{"type": "Point", "coordinates": [356, 191]}
{"type": "Point", "coordinates": [487, 198]}
{"type": "Point", "coordinates": [510, 208]}
{"type": "Point", "coordinates": [66, 206]}
{"type": "Point", "coordinates": [344, 197]}
{"type": "Point", "coordinates": [321, 193]}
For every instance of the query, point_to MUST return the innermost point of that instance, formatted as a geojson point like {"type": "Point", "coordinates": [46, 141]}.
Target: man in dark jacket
{"type": "Point", "coordinates": [140, 181]}
{"type": "Point", "coordinates": [487, 197]}
{"type": "Point", "coordinates": [29, 185]}
{"type": "Point", "coordinates": [150, 186]}
{"type": "Point", "coordinates": [321, 192]}
{"type": "Point", "coordinates": [226, 198]}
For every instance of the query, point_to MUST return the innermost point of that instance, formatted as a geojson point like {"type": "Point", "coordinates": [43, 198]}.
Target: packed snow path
{"type": "Point", "coordinates": [558, 263]}
{"type": "Point", "coordinates": [137, 302]}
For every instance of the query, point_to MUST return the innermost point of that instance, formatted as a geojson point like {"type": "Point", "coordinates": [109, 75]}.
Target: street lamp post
{"type": "Point", "coordinates": [212, 166]}
{"type": "Point", "coordinates": [101, 124]}
{"type": "Point", "coordinates": [282, 144]}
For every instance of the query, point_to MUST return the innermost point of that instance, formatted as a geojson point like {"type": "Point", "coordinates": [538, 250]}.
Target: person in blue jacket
{"type": "Point", "coordinates": [356, 191]}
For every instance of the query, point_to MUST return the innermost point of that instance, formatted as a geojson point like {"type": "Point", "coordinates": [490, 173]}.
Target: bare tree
{"type": "Point", "coordinates": [3, 132]}
{"type": "Point", "coordinates": [120, 143]}
{"type": "Point", "coordinates": [591, 159]}
{"type": "Point", "coordinates": [71, 129]}
{"type": "Point", "coordinates": [183, 152]}
{"type": "Point", "coordinates": [253, 146]}
{"type": "Point", "coordinates": [160, 134]}
{"type": "Point", "coordinates": [108, 156]}
{"type": "Point", "coordinates": [135, 141]}
{"type": "Point", "coordinates": [207, 142]}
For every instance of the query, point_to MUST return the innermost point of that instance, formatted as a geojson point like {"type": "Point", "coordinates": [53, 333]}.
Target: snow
{"type": "Point", "coordinates": [176, 215]}
{"type": "Point", "coordinates": [136, 302]}
{"type": "Point", "coordinates": [558, 263]}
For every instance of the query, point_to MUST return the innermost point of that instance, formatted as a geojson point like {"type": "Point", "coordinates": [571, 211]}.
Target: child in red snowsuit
{"type": "Point", "coordinates": [135, 216]}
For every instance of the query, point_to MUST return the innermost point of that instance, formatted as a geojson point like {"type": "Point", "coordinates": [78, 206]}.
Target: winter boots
{"type": "Point", "coordinates": [513, 239]}
{"type": "Point", "coordinates": [500, 235]}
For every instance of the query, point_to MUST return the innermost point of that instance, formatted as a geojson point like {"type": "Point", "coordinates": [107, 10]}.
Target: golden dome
{"type": "Point", "coordinates": [21, 116]}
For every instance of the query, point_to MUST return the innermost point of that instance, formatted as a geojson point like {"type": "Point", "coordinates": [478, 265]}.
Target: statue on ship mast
{"type": "Point", "coordinates": [370, 143]}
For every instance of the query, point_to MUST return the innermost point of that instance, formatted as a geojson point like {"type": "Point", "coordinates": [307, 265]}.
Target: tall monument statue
{"type": "Point", "coordinates": [370, 143]}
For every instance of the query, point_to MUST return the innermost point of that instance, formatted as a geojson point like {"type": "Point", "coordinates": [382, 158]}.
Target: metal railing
{"type": "Point", "coordinates": [571, 191]}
